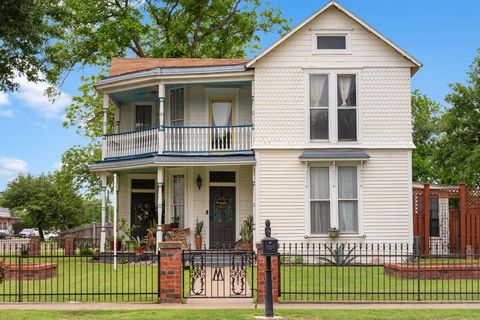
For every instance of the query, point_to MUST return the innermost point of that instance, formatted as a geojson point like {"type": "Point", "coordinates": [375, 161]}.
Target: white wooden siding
{"type": "Point", "coordinates": [366, 48]}
{"type": "Point", "coordinates": [385, 211]}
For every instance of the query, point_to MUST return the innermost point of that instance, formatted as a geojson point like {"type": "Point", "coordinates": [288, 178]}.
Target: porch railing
{"type": "Point", "coordinates": [208, 139]}
{"type": "Point", "coordinates": [131, 143]}
{"type": "Point", "coordinates": [185, 139]}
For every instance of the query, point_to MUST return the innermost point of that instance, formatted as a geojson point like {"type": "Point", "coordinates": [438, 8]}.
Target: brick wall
{"type": "Point", "coordinates": [170, 273]}
{"type": "Point", "coordinates": [261, 276]}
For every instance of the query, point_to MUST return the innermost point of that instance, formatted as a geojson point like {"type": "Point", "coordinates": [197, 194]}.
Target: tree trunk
{"type": "Point", "coordinates": [40, 232]}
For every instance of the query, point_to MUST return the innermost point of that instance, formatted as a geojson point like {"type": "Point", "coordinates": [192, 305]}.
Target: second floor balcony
{"type": "Point", "coordinates": [213, 118]}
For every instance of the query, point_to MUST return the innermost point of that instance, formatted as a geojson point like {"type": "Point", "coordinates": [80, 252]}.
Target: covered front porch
{"type": "Point", "coordinates": [220, 194]}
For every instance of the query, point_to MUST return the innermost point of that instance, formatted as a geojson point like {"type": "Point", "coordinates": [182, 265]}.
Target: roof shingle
{"type": "Point", "coordinates": [126, 65]}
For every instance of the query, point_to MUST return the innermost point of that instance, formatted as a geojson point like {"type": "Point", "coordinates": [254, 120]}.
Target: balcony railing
{"type": "Point", "coordinates": [198, 139]}
{"type": "Point", "coordinates": [185, 139]}
{"type": "Point", "coordinates": [133, 143]}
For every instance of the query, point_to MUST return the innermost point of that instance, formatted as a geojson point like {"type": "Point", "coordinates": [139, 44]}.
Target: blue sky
{"type": "Point", "coordinates": [444, 35]}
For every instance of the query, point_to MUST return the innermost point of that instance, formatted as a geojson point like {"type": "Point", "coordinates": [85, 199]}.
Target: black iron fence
{"type": "Point", "coordinates": [53, 275]}
{"type": "Point", "coordinates": [218, 273]}
{"type": "Point", "coordinates": [320, 272]}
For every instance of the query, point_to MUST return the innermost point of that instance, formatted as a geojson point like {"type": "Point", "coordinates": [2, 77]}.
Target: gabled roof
{"type": "Point", "coordinates": [127, 65]}
{"type": "Point", "coordinates": [334, 4]}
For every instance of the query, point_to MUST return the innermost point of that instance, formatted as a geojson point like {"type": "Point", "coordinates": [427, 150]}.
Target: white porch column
{"type": "Point", "coordinates": [105, 125]}
{"type": "Point", "coordinates": [160, 184]}
{"type": "Point", "coordinates": [103, 232]}
{"type": "Point", "coordinates": [115, 219]}
{"type": "Point", "coordinates": [161, 117]}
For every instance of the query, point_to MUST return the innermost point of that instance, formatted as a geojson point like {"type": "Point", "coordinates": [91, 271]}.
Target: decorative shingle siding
{"type": "Point", "coordinates": [279, 106]}
{"type": "Point", "coordinates": [385, 106]}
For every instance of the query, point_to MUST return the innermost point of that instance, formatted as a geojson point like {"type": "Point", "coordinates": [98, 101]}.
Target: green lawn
{"type": "Point", "coordinates": [78, 276]}
{"type": "Point", "coordinates": [368, 283]}
{"type": "Point", "coordinates": [235, 314]}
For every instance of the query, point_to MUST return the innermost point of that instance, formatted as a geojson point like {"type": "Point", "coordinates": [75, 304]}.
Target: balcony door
{"type": "Point", "coordinates": [143, 116]}
{"type": "Point", "coordinates": [221, 117]}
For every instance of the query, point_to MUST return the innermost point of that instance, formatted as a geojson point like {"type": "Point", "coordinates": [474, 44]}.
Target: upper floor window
{"type": "Point", "coordinates": [143, 116]}
{"type": "Point", "coordinates": [177, 109]}
{"type": "Point", "coordinates": [331, 42]}
{"type": "Point", "coordinates": [319, 107]}
{"type": "Point", "coordinates": [333, 113]}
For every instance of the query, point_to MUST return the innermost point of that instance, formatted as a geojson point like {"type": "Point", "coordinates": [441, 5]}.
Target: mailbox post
{"type": "Point", "coordinates": [269, 249]}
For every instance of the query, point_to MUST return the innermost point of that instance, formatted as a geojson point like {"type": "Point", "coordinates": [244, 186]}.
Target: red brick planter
{"type": "Point", "coordinates": [31, 271]}
{"type": "Point", "coordinates": [433, 270]}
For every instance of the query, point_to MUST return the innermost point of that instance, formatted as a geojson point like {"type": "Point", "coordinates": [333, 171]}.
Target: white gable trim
{"type": "Point", "coordinates": [333, 3]}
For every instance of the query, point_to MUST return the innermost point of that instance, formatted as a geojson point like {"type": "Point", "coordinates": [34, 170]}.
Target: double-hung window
{"type": "Point", "coordinates": [333, 111]}
{"type": "Point", "coordinates": [177, 107]}
{"type": "Point", "coordinates": [334, 199]}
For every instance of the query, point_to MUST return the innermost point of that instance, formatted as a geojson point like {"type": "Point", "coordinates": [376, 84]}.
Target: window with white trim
{"type": "Point", "coordinates": [178, 198]}
{"type": "Point", "coordinates": [331, 42]}
{"type": "Point", "coordinates": [177, 108]}
{"type": "Point", "coordinates": [334, 199]}
{"type": "Point", "coordinates": [333, 113]}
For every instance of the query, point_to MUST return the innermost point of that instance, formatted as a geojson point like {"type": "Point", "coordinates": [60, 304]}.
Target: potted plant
{"type": "Point", "coordinates": [110, 239]}
{"type": "Point", "coordinates": [175, 222]}
{"type": "Point", "coordinates": [198, 234]}
{"type": "Point", "coordinates": [139, 246]}
{"type": "Point", "coordinates": [246, 233]}
{"type": "Point", "coordinates": [333, 232]}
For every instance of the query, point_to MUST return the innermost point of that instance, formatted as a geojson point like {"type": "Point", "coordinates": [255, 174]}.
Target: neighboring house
{"type": "Point", "coordinates": [314, 133]}
{"type": "Point", "coordinates": [6, 222]}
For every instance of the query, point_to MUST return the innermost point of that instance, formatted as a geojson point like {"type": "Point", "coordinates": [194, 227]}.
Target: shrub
{"type": "Point", "coordinates": [86, 252]}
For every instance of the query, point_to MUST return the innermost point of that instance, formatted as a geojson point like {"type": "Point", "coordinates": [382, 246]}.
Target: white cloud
{"type": "Point", "coordinates": [5, 111]}
{"type": "Point", "coordinates": [33, 96]}
{"type": "Point", "coordinates": [57, 165]}
{"type": "Point", "coordinates": [10, 168]}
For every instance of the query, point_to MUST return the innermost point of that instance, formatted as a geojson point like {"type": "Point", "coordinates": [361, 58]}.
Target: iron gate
{"type": "Point", "coordinates": [218, 273]}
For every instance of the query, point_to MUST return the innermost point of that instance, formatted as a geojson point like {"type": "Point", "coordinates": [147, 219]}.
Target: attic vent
{"type": "Point", "coordinates": [331, 42]}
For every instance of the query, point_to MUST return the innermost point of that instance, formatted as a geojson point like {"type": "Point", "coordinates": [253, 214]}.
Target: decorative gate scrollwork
{"type": "Point", "coordinates": [218, 273]}
{"type": "Point", "coordinates": [238, 274]}
{"type": "Point", "coordinates": [197, 274]}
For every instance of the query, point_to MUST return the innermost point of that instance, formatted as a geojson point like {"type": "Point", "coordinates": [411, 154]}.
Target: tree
{"type": "Point", "coordinates": [95, 31]}
{"type": "Point", "coordinates": [458, 154]}
{"type": "Point", "coordinates": [45, 201]}
{"type": "Point", "coordinates": [425, 124]}
{"type": "Point", "coordinates": [24, 36]}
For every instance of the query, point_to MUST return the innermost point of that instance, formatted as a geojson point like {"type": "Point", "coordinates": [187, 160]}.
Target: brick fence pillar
{"type": "Point", "coordinates": [170, 272]}
{"type": "Point", "coordinates": [34, 246]}
{"type": "Point", "coordinates": [261, 276]}
{"type": "Point", "coordinates": [69, 245]}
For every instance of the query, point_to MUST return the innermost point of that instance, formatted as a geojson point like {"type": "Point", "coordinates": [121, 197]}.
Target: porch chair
{"type": "Point", "coordinates": [182, 235]}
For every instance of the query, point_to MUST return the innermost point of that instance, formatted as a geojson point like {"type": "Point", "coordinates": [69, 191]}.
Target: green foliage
{"type": "Point", "coordinates": [458, 154]}
{"type": "Point", "coordinates": [44, 202]}
{"type": "Point", "coordinates": [25, 32]}
{"type": "Point", "coordinates": [86, 252]}
{"type": "Point", "coordinates": [75, 163]}
{"type": "Point", "coordinates": [246, 231]}
{"type": "Point", "coordinates": [425, 124]}
{"type": "Point", "coordinates": [340, 255]}
{"type": "Point", "coordinates": [198, 228]}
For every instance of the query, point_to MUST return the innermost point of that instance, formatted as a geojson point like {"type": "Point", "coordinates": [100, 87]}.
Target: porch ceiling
{"type": "Point", "coordinates": [150, 93]}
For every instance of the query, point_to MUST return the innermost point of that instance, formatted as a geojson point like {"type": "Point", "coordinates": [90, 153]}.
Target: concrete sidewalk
{"type": "Point", "coordinates": [231, 304]}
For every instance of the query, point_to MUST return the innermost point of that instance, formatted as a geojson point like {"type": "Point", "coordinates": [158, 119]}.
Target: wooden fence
{"type": "Point", "coordinates": [463, 222]}
{"type": "Point", "coordinates": [87, 235]}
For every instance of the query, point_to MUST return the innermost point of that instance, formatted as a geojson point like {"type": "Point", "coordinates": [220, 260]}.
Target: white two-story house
{"type": "Point", "coordinates": [313, 134]}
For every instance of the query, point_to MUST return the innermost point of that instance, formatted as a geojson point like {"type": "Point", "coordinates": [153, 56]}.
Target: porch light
{"type": "Point", "coordinates": [199, 182]}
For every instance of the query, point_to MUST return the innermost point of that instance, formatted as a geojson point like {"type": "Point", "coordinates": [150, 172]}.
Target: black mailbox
{"type": "Point", "coordinates": [269, 244]}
